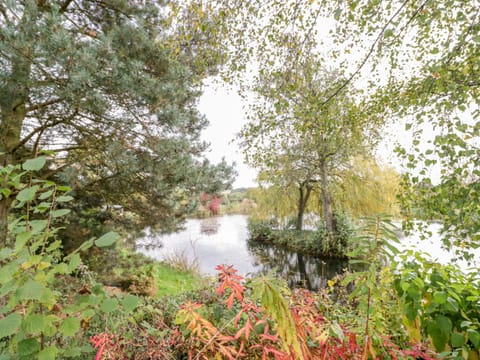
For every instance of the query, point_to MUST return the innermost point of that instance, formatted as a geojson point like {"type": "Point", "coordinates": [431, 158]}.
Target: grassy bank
{"type": "Point", "coordinates": [170, 281]}
{"type": "Point", "coordinates": [138, 274]}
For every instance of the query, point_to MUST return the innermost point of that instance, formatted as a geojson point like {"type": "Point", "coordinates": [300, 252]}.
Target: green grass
{"type": "Point", "coordinates": [172, 282]}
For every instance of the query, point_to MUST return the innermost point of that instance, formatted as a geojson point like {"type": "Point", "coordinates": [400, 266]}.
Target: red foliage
{"type": "Point", "coordinates": [230, 280]}
{"type": "Point", "coordinates": [99, 342]}
{"type": "Point", "coordinates": [214, 205]}
{"type": "Point", "coordinates": [204, 198]}
{"type": "Point", "coordinates": [250, 334]}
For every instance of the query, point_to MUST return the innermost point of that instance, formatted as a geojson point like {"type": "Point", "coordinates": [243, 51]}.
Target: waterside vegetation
{"type": "Point", "coordinates": [310, 242]}
{"type": "Point", "coordinates": [100, 137]}
{"type": "Point", "coordinates": [53, 306]}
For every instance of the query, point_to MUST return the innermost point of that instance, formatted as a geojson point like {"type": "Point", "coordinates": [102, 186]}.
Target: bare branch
{"type": "Point", "coordinates": [41, 129]}
{"type": "Point", "coordinates": [65, 5]}
{"type": "Point", "coordinates": [370, 52]}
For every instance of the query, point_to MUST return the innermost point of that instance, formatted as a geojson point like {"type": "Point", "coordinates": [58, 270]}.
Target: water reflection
{"type": "Point", "coordinates": [209, 226]}
{"type": "Point", "coordinates": [212, 243]}
{"type": "Point", "coordinates": [223, 240]}
{"type": "Point", "coordinates": [297, 269]}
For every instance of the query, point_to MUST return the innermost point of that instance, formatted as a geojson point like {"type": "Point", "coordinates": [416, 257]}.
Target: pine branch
{"type": "Point", "coordinates": [43, 105]}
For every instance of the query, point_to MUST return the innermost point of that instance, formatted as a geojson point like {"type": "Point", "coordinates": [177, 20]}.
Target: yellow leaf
{"type": "Point", "coordinates": [413, 330]}
{"type": "Point", "coordinates": [323, 337]}
{"type": "Point", "coordinates": [43, 265]}
{"type": "Point", "coordinates": [26, 265]}
{"type": "Point", "coordinates": [372, 350]}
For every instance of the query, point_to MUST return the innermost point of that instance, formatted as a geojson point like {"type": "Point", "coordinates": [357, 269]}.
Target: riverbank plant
{"type": "Point", "coordinates": [441, 302]}
{"type": "Point", "coordinates": [52, 306]}
{"type": "Point", "coordinates": [47, 298]}
{"type": "Point", "coordinates": [51, 302]}
{"type": "Point", "coordinates": [312, 242]}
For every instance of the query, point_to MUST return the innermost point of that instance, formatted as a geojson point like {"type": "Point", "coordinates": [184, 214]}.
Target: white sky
{"type": "Point", "coordinates": [223, 109]}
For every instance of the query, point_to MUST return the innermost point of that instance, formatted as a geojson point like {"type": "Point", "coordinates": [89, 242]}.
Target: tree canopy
{"type": "Point", "coordinates": [111, 88]}
{"type": "Point", "coordinates": [415, 60]}
{"type": "Point", "coordinates": [296, 140]}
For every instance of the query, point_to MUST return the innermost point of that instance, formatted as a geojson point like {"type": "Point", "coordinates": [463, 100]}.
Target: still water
{"type": "Point", "coordinates": [223, 240]}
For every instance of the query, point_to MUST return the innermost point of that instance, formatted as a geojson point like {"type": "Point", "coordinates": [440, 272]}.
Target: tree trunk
{"type": "Point", "coordinates": [13, 98]}
{"type": "Point", "coordinates": [4, 210]}
{"type": "Point", "coordinates": [304, 190]}
{"type": "Point", "coordinates": [327, 204]}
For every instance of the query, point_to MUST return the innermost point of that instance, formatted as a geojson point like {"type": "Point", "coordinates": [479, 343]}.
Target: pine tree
{"type": "Point", "coordinates": [111, 88]}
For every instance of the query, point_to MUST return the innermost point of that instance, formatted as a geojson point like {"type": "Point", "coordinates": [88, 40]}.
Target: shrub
{"type": "Point", "coordinates": [440, 302]}
{"type": "Point", "coordinates": [313, 242]}
{"type": "Point", "coordinates": [42, 316]}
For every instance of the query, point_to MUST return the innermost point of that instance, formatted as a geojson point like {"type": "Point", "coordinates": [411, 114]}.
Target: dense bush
{"type": "Point", "coordinates": [442, 303]}
{"type": "Point", "coordinates": [312, 242]}
{"type": "Point", "coordinates": [51, 305]}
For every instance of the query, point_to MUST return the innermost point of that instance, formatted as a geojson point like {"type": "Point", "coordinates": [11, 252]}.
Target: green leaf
{"type": "Point", "coordinates": [130, 302]}
{"type": "Point", "coordinates": [38, 226]}
{"type": "Point", "coordinates": [5, 192]}
{"type": "Point", "coordinates": [64, 198]}
{"type": "Point", "coordinates": [34, 323]}
{"type": "Point", "coordinates": [87, 314]}
{"type": "Point", "coordinates": [107, 239]}
{"type": "Point", "coordinates": [69, 326]}
{"type": "Point", "coordinates": [388, 33]}
{"type": "Point", "coordinates": [109, 305]}
{"type": "Point", "coordinates": [50, 328]}
{"type": "Point", "coordinates": [21, 240]}
{"type": "Point", "coordinates": [7, 288]}
{"type": "Point", "coordinates": [34, 164]}
{"type": "Point", "coordinates": [457, 340]}
{"type": "Point", "coordinates": [5, 253]}
{"type": "Point", "coordinates": [60, 212]}
{"type": "Point", "coordinates": [452, 304]}
{"type": "Point", "coordinates": [93, 299]}
{"type": "Point", "coordinates": [64, 188]}
{"type": "Point", "coordinates": [439, 339]}
{"type": "Point", "coordinates": [474, 337]}
{"type": "Point", "coordinates": [444, 324]}
{"type": "Point", "coordinates": [31, 290]}
{"type": "Point", "coordinates": [73, 351]}
{"type": "Point", "coordinates": [86, 245]}
{"type": "Point", "coordinates": [49, 353]}
{"type": "Point", "coordinates": [9, 325]}
{"type": "Point", "coordinates": [337, 13]}
{"type": "Point", "coordinates": [75, 261]}
{"type": "Point", "coordinates": [27, 194]}
{"type": "Point", "coordinates": [439, 297]}
{"type": "Point", "coordinates": [45, 195]}
{"type": "Point", "coordinates": [7, 271]}
{"type": "Point", "coordinates": [28, 347]}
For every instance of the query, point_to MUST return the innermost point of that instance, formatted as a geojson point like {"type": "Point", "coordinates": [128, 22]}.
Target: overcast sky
{"type": "Point", "coordinates": [223, 109]}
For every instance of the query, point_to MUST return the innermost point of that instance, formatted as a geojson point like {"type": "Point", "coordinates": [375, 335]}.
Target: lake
{"type": "Point", "coordinates": [223, 240]}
